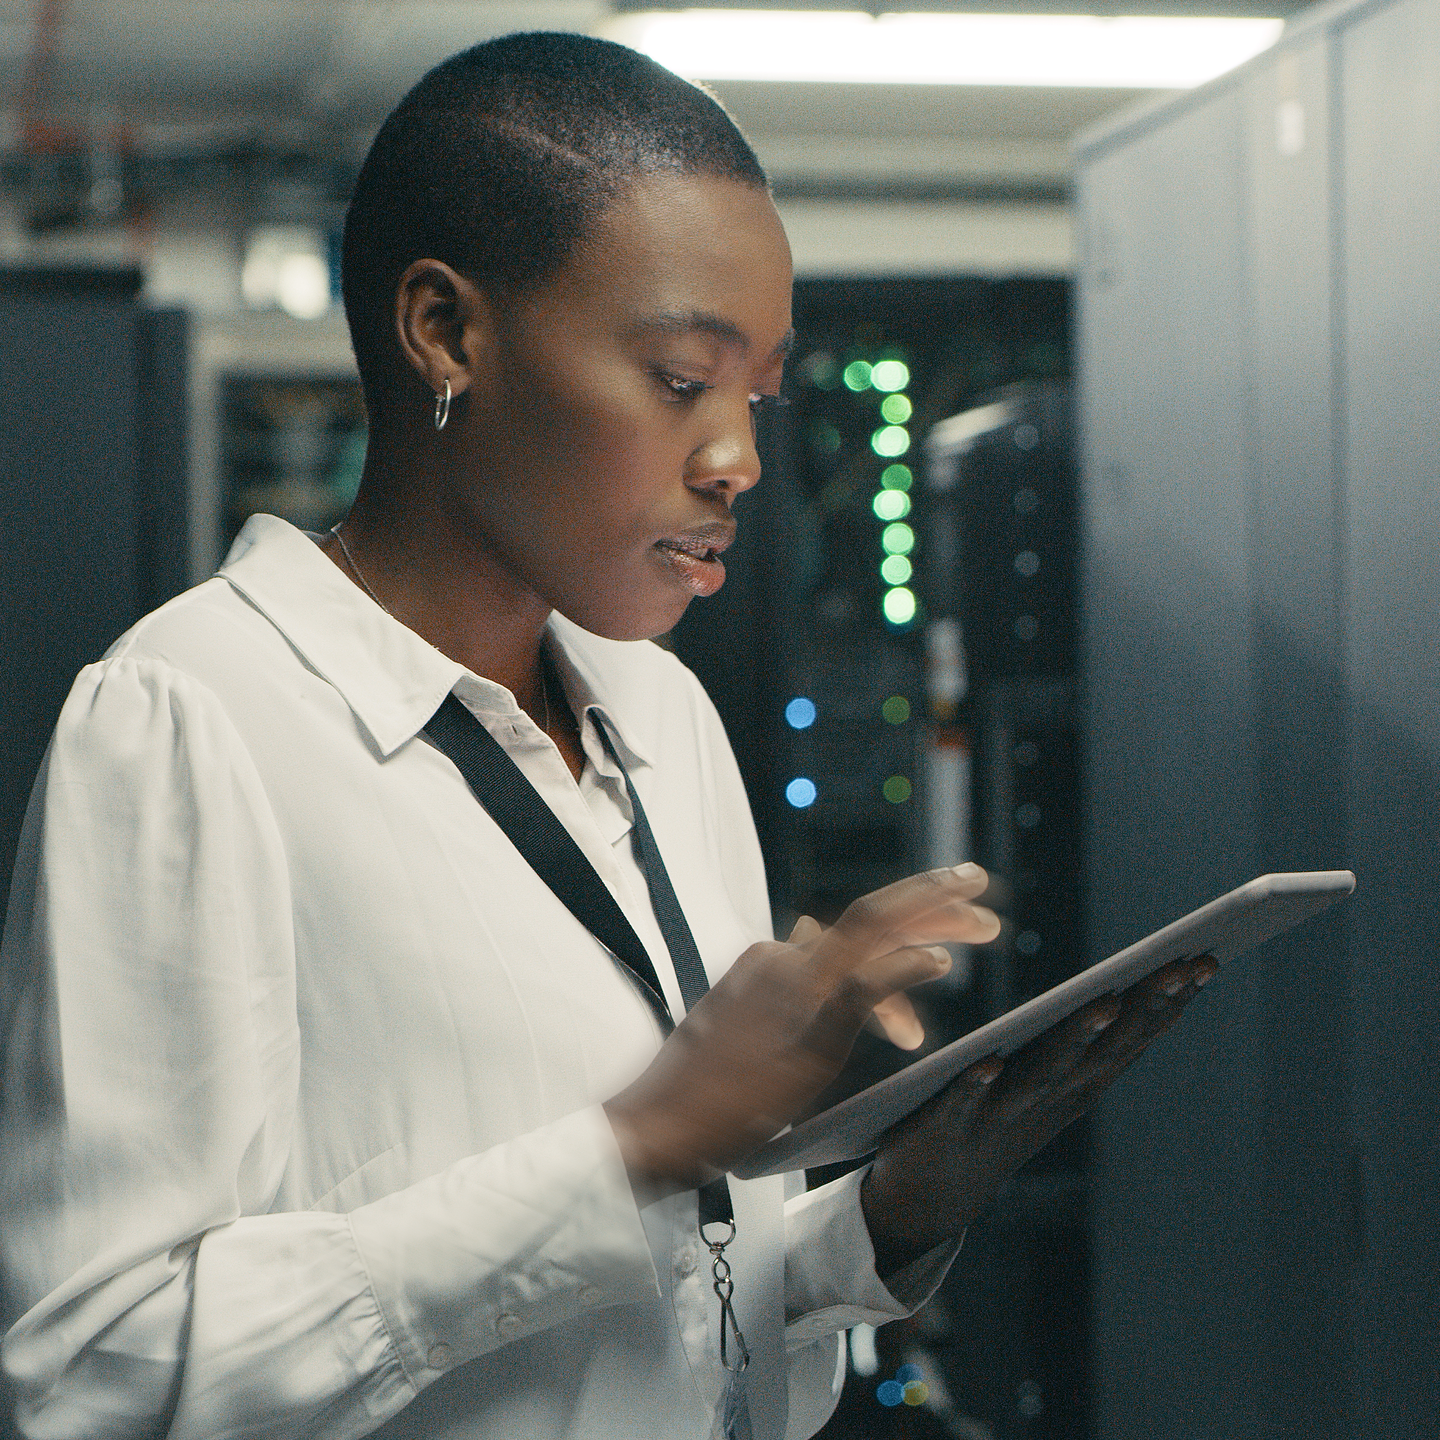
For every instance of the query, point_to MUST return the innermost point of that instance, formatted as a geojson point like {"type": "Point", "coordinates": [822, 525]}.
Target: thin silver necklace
{"type": "Point", "coordinates": [370, 591]}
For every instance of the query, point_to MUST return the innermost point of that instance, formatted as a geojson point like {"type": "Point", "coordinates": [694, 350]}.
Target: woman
{"type": "Point", "coordinates": [323, 1114]}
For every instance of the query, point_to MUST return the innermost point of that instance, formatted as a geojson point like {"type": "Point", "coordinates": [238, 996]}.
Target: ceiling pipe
{"type": "Point", "coordinates": [38, 131]}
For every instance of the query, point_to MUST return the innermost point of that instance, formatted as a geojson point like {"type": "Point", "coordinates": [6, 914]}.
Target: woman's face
{"type": "Point", "coordinates": [610, 425]}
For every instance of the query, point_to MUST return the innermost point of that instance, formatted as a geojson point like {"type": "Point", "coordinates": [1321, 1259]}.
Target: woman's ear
{"type": "Point", "coordinates": [444, 324]}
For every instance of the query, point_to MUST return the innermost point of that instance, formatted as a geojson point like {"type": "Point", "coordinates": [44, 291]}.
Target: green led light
{"type": "Point", "coordinates": [895, 569]}
{"type": "Point", "coordinates": [899, 605]}
{"type": "Point", "coordinates": [857, 375]}
{"type": "Point", "coordinates": [891, 505]}
{"type": "Point", "coordinates": [897, 790]}
{"type": "Point", "coordinates": [890, 375]}
{"type": "Point", "coordinates": [823, 372]}
{"type": "Point", "coordinates": [891, 440]}
{"type": "Point", "coordinates": [896, 477]}
{"type": "Point", "coordinates": [896, 409]}
{"type": "Point", "coordinates": [897, 539]}
{"type": "Point", "coordinates": [896, 710]}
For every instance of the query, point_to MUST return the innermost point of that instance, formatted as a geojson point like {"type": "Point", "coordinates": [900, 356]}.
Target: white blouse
{"type": "Point", "coordinates": [301, 1128]}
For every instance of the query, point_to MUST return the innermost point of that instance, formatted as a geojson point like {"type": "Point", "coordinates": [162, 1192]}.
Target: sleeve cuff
{"type": "Point", "coordinates": [506, 1243]}
{"type": "Point", "coordinates": [830, 1279]}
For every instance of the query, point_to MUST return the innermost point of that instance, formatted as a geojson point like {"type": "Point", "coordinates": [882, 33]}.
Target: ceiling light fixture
{"type": "Point", "coordinates": [286, 266]}
{"type": "Point", "coordinates": [1169, 52]}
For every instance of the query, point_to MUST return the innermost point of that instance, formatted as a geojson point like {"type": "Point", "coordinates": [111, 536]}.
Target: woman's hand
{"type": "Point", "coordinates": [893, 1019]}
{"type": "Point", "coordinates": [779, 1025]}
{"type": "Point", "coordinates": [941, 1166]}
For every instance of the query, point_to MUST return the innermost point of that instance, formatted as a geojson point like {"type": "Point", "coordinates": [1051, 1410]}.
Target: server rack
{"type": "Point", "coordinates": [974, 717]}
{"type": "Point", "coordinates": [1256, 317]}
{"type": "Point", "coordinates": [93, 465]}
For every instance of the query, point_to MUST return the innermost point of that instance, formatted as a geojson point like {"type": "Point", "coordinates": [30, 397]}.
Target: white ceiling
{"type": "Point", "coordinates": [180, 74]}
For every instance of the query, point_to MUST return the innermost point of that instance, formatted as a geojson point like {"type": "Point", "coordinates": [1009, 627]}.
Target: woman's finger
{"type": "Point", "coordinates": [1169, 979]}
{"type": "Point", "coordinates": [806, 929]}
{"type": "Point", "coordinates": [883, 920]}
{"type": "Point", "coordinates": [959, 1102]}
{"type": "Point", "coordinates": [1148, 1011]}
{"type": "Point", "coordinates": [952, 1112]}
{"type": "Point", "coordinates": [854, 995]}
{"type": "Point", "coordinates": [968, 1091]}
{"type": "Point", "coordinates": [894, 1019]}
{"type": "Point", "coordinates": [960, 921]}
{"type": "Point", "coordinates": [1057, 1062]}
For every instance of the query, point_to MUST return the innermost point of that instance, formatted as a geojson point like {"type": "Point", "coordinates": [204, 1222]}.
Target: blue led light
{"type": "Point", "coordinates": [891, 1393]}
{"type": "Point", "coordinates": [801, 792]}
{"type": "Point", "coordinates": [906, 1373]}
{"type": "Point", "coordinates": [800, 713]}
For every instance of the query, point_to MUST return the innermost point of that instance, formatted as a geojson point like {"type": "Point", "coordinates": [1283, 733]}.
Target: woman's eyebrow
{"type": "Point", "coordinates": [680, 322]}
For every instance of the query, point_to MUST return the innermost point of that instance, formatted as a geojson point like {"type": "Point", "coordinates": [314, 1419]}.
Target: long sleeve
{"type": "Point", "coordinates": [151, 1077]}
{"type": "Point", "coordinates": [831, 1285]}
{"type": "Point", "coordinates": [830, 1278]}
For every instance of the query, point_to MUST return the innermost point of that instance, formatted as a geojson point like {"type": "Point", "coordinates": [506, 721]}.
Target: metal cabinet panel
{"type": "Point", "coordinates": [1324, 601]}
{"type": "Point", "coordinates": [1390, 107]}
{"type": "Point", "coordinates": [68, 583]}
{"type": "Point", "coordinates": [1170, 783]}
{"type": "Point", "coordinates": [1295, 568]}
{"type": "Point", "coordinates": [92, 494]}
{"type": "Point", "coordinates": [1165, 507]}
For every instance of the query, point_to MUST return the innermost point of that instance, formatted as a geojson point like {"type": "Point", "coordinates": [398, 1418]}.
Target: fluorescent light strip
{"type": "Point", "coordinates": [1126, 52]}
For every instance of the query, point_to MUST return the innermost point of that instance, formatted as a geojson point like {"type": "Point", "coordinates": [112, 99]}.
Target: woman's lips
{"type": "Point", "coordinates": [700, 573]}
{"type": "Point", "coordinates": [694, 559]}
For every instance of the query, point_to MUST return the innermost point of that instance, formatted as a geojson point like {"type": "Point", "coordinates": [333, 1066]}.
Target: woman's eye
{"type": "Point", "coordinates": [760, 403]}
{"type": "Point", "coordinates": [684, 389]}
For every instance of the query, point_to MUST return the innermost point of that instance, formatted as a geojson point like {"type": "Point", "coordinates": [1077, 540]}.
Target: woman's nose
{"type": "Point", "coordinates": [726, 465]}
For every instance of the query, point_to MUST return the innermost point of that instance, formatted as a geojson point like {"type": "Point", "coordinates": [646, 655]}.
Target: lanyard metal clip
{"type": "Point", "coordinates": [724, 1287]}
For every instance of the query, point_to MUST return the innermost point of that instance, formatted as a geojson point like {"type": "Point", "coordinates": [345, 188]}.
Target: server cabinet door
{"type": "Point", "coordinates": [1295, 570]}
{"type": "Point", "coordinates": [1390, 111]}
{"type": "Point", "coordinates": [68, 576]}
{"type": "Point", "coordinates": [1168, 720]}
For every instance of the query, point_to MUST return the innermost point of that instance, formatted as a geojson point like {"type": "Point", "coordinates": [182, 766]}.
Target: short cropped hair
{"type": "Point", "coordinates": [501, 159]}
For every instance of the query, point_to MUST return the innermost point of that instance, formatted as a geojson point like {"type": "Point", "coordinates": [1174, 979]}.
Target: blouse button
{"type": "Point", "coordinates": [439, 1356]}
{"type": "Point", "coordinates": [507, 1326]}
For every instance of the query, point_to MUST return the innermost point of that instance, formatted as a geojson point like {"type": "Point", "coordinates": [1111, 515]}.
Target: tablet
{"type": "Point", "coordinates": [1224, 928]}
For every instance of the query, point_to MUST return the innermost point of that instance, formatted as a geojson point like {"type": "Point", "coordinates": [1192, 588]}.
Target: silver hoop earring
{"type": "Point", "coordinates": [442, 406]}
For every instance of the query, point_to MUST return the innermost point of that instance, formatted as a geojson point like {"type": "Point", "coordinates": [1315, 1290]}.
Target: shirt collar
{"type": "Point", "coordinates": [593, 698]}
{"type": "Point", "coordinates": [393, 680]}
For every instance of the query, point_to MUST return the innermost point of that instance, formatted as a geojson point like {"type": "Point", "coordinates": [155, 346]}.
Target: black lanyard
{"type": "Point", "coordinates": [550, 850]}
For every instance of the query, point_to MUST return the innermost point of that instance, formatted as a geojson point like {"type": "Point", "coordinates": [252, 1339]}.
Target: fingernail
{"type": "Point", "coordinates": [1173, 987]}
{"type": "Point", "coordinates": [966, 871]}
{"type": "Point", "coordinates": [1100, 1022]}
{"type": "Point", "coordinates": [806, 928]}
{"type": "Point", "coordinates": [984, 916]}
{"type": "Point", "coordinates": [989, 1075]}
{"type": "Point", "coordinates": [1204, 978]}
{"type": "Point", "coordinates": [941, 954]}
